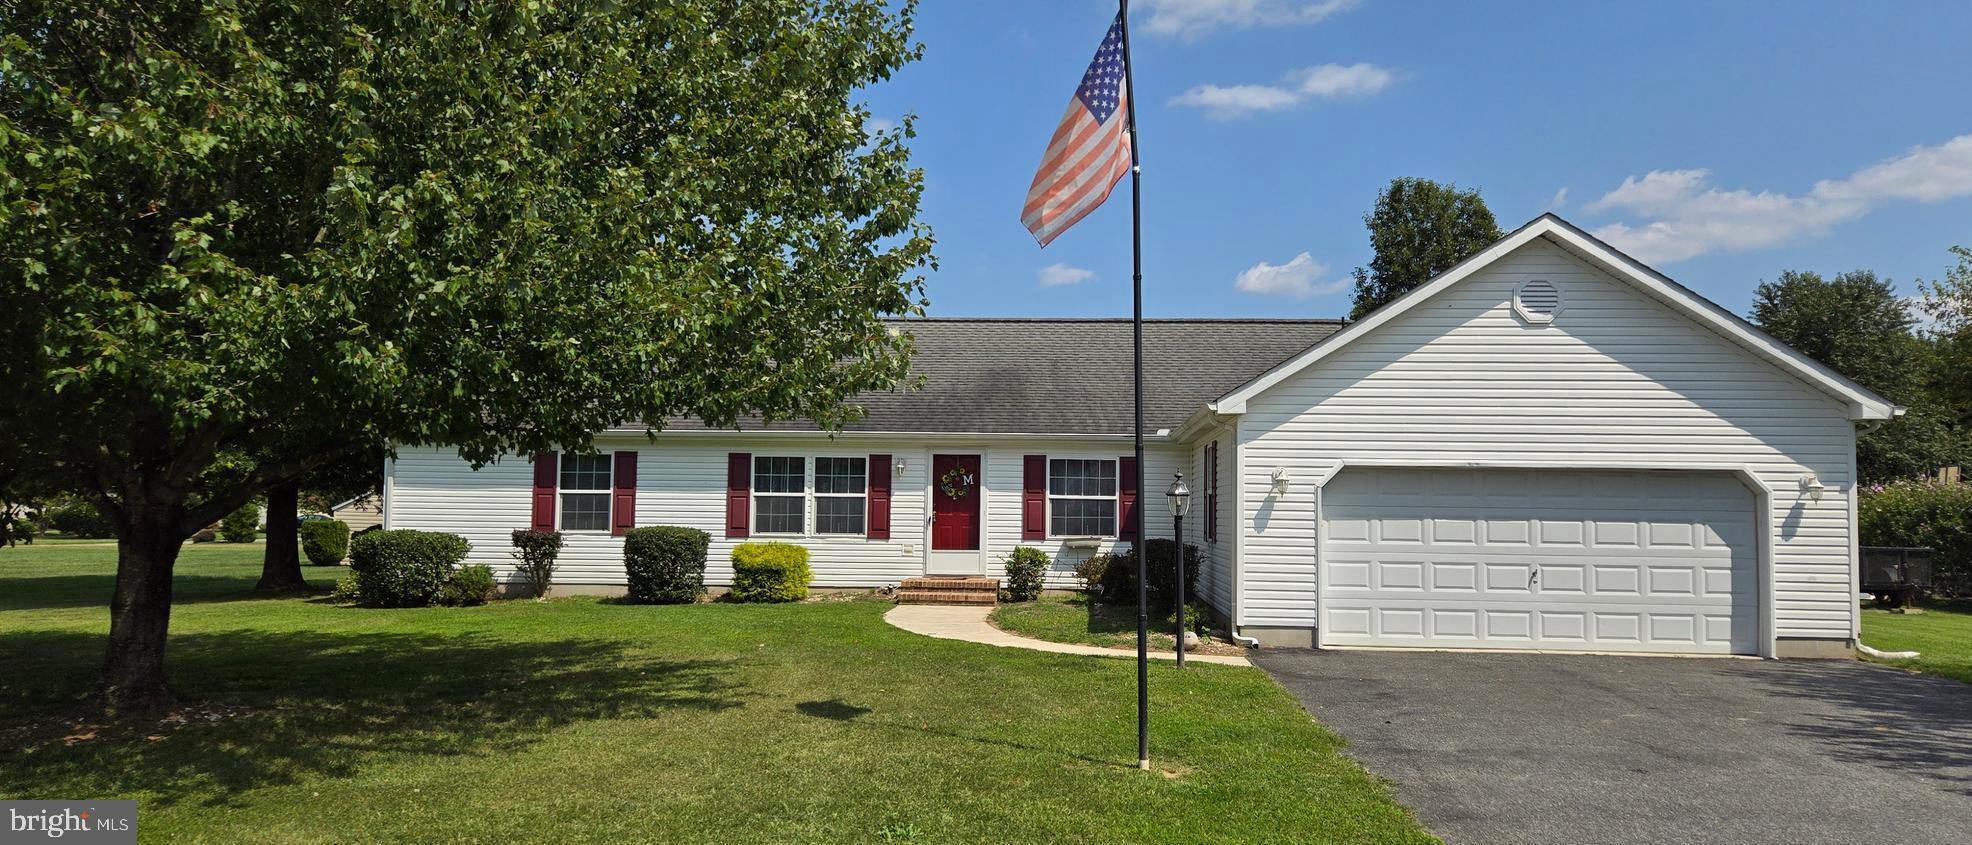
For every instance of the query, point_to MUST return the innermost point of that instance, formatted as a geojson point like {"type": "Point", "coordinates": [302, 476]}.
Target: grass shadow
{"type": "Point", "coordinates": [270, 708]}
{"type": "Point", "coordinates": [59, 592]}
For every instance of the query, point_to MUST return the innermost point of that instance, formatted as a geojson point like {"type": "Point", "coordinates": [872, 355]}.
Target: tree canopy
{"type": "Point", "coordinates": [1857, 325]}
{"type": "Point", "coordinates": [297, 230]}
{"type": "Point", "coordinates": [1418, 229]}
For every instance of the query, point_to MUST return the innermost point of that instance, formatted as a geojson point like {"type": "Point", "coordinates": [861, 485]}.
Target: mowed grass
{"type": "Point", "coordinates": [1941, 635]}
{"type": "Point", "coordinates": [588, 721]}
{"type": "Point", "coordinates": [1074, 619]}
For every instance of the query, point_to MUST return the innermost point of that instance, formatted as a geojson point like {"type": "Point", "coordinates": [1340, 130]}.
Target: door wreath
{"type": "Point", "coordinates": [955, 483]}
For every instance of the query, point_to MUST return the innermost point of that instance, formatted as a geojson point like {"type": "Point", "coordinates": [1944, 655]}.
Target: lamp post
{"type": "Point", "coordinates": [1179, 498]}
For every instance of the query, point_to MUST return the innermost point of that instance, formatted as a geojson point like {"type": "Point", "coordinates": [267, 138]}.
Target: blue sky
{"type": "Point", "coordinates": [1721, 142]}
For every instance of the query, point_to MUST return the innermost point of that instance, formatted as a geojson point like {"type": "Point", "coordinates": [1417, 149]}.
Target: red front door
{"type": "Point", "coordinates": [954, 502]}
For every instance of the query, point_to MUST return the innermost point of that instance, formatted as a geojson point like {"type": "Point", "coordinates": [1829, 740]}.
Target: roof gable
{"type": "Point", "coordinates": [1862, 403]}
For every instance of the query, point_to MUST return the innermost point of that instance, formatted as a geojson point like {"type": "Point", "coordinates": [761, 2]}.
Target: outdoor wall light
{"type": "Point", "coordinates": [1280, 480]}
{"type": "Point", "coordinates": [1811, 485]}
{"type": "Point", "coordinates": [1179, 497]}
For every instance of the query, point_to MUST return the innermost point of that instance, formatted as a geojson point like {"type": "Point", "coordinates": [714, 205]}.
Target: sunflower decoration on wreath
{"type": "Point", "coordinates": [955, 483]}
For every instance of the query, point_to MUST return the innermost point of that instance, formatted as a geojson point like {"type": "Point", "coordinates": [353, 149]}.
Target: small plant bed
{"type": "Point", "coordinates": [1074, 619]}
{"type": "Point", "coordinates": [1941, 635]}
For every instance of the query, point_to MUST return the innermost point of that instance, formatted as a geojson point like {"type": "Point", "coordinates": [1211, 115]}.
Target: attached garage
{"type": "Point", "coordinates": [1565, 560]}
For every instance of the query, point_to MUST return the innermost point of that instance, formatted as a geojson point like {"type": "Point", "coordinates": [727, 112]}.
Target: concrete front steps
{"type": "Point", "coordinates": [952, 589]}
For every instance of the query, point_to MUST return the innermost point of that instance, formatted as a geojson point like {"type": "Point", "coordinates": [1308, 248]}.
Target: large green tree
{"type": "Point", "coordinates": [1857, 325]}
{"type": "Point", "coordinates": [288, 229]}
{"type": "Point", "coordinates": [1949, 302]}
{"type": "Point", "coordinates": [1418, 229]}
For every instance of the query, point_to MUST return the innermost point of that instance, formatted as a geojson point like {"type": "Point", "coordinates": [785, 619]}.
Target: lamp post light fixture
{"type": "Point", "coordinates": [1179, 498]}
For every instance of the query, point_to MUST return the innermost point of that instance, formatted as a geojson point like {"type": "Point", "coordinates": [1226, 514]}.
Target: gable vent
{"type": "Point", "coordinates": [1537, 301]}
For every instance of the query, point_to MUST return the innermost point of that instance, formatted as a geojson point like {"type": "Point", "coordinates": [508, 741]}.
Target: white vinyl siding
{"type": "Point", "coordinates": [1617, 380]}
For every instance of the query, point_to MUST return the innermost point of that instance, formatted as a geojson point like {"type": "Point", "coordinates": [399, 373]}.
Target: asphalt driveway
{"type": "Point", "coordinates": [1514, 748]}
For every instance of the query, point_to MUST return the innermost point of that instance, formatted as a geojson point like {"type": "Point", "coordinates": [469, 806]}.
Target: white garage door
{"type": "Point", "coordinates": [1540, 559]}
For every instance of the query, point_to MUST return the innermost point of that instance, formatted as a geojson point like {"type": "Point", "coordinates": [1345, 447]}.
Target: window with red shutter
{"type": "Point", "coordinates": [879, 521]}
{"type": "Point", "coordinates": [739, 487]}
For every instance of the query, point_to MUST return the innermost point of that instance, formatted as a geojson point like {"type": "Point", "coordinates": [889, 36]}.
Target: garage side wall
{"type": "Point", "coordinates": [1617, 379]}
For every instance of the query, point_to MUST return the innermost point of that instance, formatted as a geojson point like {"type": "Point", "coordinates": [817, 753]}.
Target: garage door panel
{"type": "Point", "coordinates": [1607, 561]}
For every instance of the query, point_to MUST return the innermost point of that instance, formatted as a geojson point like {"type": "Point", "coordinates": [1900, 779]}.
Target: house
{"type": "Point", "coordinates": [1550, 446]}
{"type": "Point", "coordinates": [360, 513]}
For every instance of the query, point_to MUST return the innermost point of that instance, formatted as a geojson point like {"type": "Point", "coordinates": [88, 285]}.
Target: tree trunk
{"type": "Point", "coordinates": [140, 611]}
{"type": "Point", "coordinates": [280, 565]}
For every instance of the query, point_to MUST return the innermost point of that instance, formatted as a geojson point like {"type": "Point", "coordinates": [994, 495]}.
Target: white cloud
{"type": "Point", "coordinates": [1321, 82]}
{"type": "Point", "coordinates": [1332, 81]}
{"type": "Point", "coordinates": [1192, 18]}
{"type": "Point", "coordinates": [1225, 103]}
{"type": "Point", "coordinates": [1690, 217]}
{"type": "Point", "coordinates": [1056, 275]}
{"type": "Point", "coordinates": [1560, 198]}
{"type": "Point", "coordinates": [879, 124]}
{"type": "Point", "coordinates": [1297, 278]}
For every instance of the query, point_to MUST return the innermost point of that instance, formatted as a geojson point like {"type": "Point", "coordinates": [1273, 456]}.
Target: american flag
{"type": "Point", "coordinates": [1090, 150]}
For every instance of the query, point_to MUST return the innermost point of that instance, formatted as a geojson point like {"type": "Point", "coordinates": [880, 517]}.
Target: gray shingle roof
{"type": "Point", "coordinates": [1069, 376]}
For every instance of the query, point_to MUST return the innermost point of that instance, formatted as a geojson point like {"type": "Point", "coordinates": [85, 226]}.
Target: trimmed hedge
{"type": "Point", "coordinates": [1027, 570]}
{"type": "Point", "coordinates": [404, 568]}
{"type": "Point", "coordinates": [469, 586]}
{"type": "Point", "coordinates": [770, 572]}
{"type": "Point", "coordinates": [666, 563]}
{"type": "Point", "coordinates": [1119, 580]}
{"type": "Point", "coordinates": [241, 526]}
{"type": "Point", "coordinates": [537, 551]}
{"type": "Point", "coordinates": [1930, 514]}
{"type": "Point", "coordinates": [325, 541]}
{"type": "Point", "coordinates": [78, 519]}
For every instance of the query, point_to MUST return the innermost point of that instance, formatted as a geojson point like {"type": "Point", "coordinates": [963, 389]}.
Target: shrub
{"type": "Point", "coordinates": [78, 519]}
{"type": "Point", "coordinates": [325, 541]}
{"type": "Point", "coordinates": [347, 591]}
{"type": "Point", "coordinates": [1119, 580]}
{"type": "Point", "coordinates": [1931, 514]}
{"type": "Point", "coordinates": [404, 568]}
{"type": "Point", "coordinates": [770, 572]}
{"type": "Point", "coordinates": [241, 526]}
{"type": "Point", "coordinates": [1027, 569]}
{"type": "Point", "coordinates": [667, 564]}
{"type": "Point", "coordinates": [469, 586]}
{"type": "Point", "coordinates": [536, 551]}
{"type": "Point", "coordinates": [1091, 571]}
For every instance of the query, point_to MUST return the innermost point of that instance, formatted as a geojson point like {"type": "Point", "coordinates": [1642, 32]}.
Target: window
{"type": "Point", "coordinates": [841, 488]}
{"type": "Point", "coordinates": [1081, 497]}
{"type": "Point", "coordinates": [780, 495]}
{"type": "Point", "coordinates": [584, 492]}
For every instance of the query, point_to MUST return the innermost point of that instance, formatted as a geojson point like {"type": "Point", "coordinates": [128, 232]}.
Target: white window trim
{"type": "Point", "coordinates": [814, 496]}
{"type": "Point", "coordinates": [608, 491]}
{"type": "Point", "coordinates": [754, 494]}
{"type": "Point", "coordinates": [1047, 486]}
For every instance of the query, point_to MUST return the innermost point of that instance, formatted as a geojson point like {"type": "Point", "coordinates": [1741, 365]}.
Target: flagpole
{"type": "Point", "coordinates": [1136, 333]}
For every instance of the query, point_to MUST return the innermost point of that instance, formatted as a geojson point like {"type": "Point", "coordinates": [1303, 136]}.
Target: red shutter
{"type": "Point", "coordinates": [545, 467]}
{"type": "Point", "coordinates": [1126, 498]}
{"type": "Point", "coordinates": [623, 495]}
{"type": "Point", "coordinates": [878, 526]}
{"type": "Point", "coordinates": [1212, 492]}
{"type": "Point", "coordinates": [1034, 498]}
{"type": "Point", "coordinates": [739, 487]}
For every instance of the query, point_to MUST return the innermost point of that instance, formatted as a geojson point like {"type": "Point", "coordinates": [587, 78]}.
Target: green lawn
{"type": "Point", "coordinates": [1941, 635]}
{"type": "Point", "coordinates": [1072, 619]}
{"type": "Point", "coordinates": [587, 721]}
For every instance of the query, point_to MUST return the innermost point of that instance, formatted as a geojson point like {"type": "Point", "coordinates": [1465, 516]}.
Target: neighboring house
{"type": "Point", "coordinates": [1550, 446]}
{"type": "Point", "coordinates": [361, 512]}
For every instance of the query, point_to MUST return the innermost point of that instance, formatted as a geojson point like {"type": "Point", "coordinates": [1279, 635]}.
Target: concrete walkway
{"type": "Point", "coordinates": [949, 622]}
